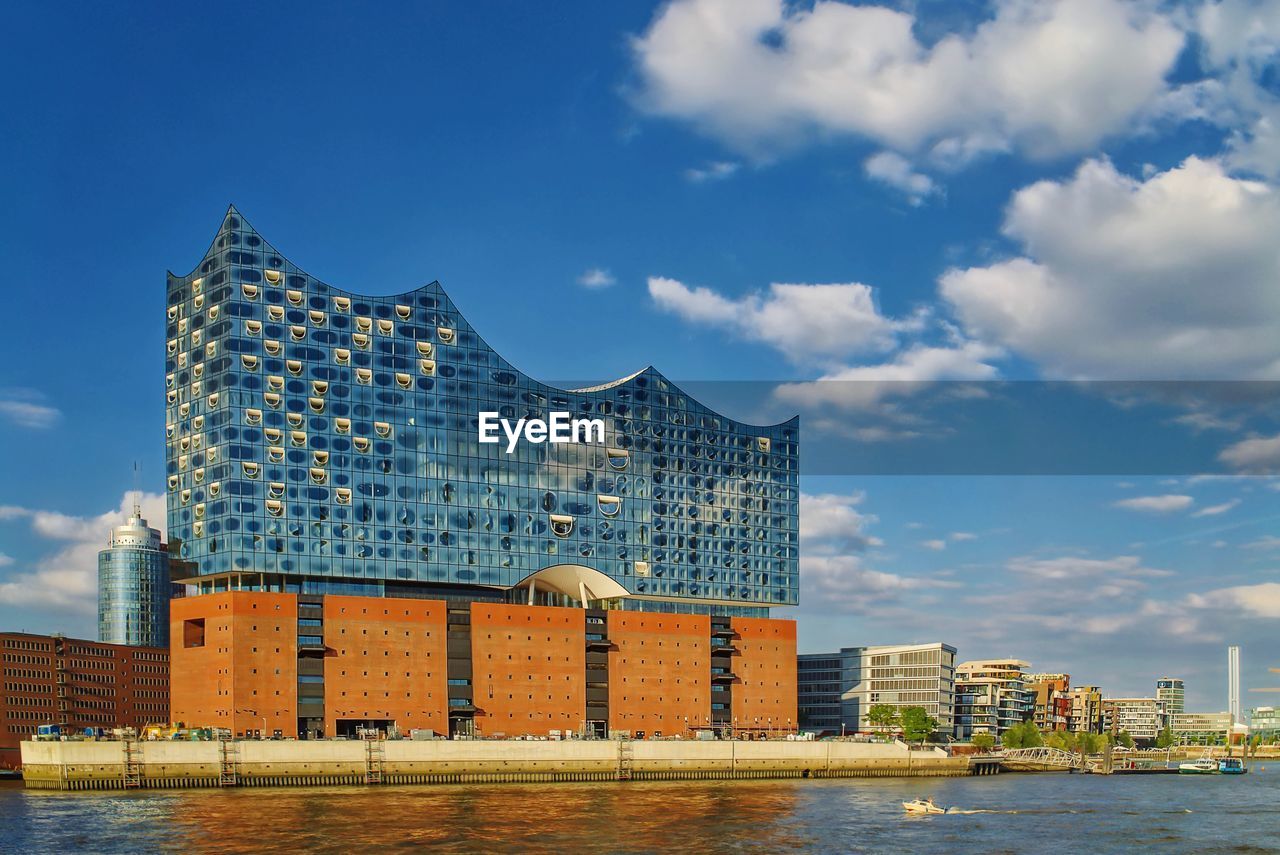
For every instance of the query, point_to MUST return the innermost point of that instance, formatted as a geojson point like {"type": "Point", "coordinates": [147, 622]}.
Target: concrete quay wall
{"type": "Point", "coordinates": [149, 765]}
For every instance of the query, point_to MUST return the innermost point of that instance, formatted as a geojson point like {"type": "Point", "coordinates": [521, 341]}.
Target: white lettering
{"type": "Point", "coordinates": [559, 427]}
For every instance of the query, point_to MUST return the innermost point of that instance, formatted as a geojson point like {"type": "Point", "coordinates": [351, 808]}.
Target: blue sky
{"type": "Point", "coordinates": [892, 199]}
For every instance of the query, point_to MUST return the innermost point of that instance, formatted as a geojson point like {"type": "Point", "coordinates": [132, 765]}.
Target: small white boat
{"type": "Point", "coordinates": [922, 806]}
{"type": "Point", "coordinates": [1203, 766]}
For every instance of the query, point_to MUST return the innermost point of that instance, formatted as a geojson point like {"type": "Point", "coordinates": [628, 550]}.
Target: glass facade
{"type": "Point", "coordinates": [327, 442]}
{"type": "Point", "coordinates": [134, 587]}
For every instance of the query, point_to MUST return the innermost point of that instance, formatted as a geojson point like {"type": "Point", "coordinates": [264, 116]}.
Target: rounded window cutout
{"type": "Point", "coordinates": [609, 505]}
{"type": "Point", "coordinates": [561, 525]}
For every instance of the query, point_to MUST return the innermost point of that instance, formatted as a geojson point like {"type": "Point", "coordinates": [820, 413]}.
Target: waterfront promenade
{"type": "Point", "coordinates": [157, 765]}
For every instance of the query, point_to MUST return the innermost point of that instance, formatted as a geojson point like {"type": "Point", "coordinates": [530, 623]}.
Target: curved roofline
{"type": "Point", "coordinates": [589, 390]}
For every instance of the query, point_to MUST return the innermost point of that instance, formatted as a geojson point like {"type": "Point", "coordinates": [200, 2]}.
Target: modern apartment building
{"type": "Point", "coordinates": [50, 679]}
{"type": "Point", "coordinates": [1264, 722]}
{"type": "Point", "coordinates": [1171, 691]}
{"type": "Point", "coordinates": [1141, 718]}
{"type": "Point", "coordinates": [332, 487]}
{"type": "Point", "coordinates": [991, 696]}
{"type": "Point", "coordinates": [837, 689]}
{"type": "Point", "coordinates": [134, 586]}
{"type": "Point", "coordinates": [1086, 710]}
{"type": "Point", "coordinates": [1051, 696]}
{"type": "Point", "coordinates": [1200, 728]}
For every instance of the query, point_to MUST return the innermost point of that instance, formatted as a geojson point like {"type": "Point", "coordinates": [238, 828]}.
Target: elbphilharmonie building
{"type": "Point", "coordinates": [325, 444]}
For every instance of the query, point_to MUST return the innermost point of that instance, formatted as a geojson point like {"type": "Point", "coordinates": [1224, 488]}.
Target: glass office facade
{"type": "Point", "coordinates": [134, 587]}
{"type": "Point", "coordinates": [325, 441]}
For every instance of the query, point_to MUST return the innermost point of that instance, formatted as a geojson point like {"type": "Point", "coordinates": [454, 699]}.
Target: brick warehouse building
{"type": "Point", "coordinates": [360, 557]}
{"type": "Point", "coordinates": [50, 679]}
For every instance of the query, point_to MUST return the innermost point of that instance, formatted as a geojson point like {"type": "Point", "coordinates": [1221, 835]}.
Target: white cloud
{"type": "Point", "coordinates": [1168, 277]}
{"type": "Point", "coordinates": [908, 372]}
{"type": "Point", "coordinates": [1215, 510]}
{"type": "Point", "coordinates": [1257, 454]}
{"type": "Point", "coordinates": [1046, 78]}
{"type": "Point", "coordinates": [24, 410]}
{"type": "Point", "coordinates": [717, 170]}
{"type": "Point", "coordinates": [935, 545]}
{"type": "Point", "coordinates": [1253, 600]}
{"type": "Point", "coordinates": [845, 583]}
{"type": "Point", "coordinates": [5, 560]}
{"type": "Point", "coordinates": [596, 277]}
{"type": "Point", "coordinates": [1166, 504]}
{"type": "Point", "coordinates": [1267, 542]}
{"type": "Point", "coordinates": [894, 170]}
{"type": "Point", "coordinates": [802, 321]}
{"type": "Point", "coordinates": [830, 523]}
{"type": "Point", "coordinates": [67, 579]}
{"type": "Point", "coordinates": [1121, 570]}
{"type": "Point", "coordinates": [959, 536]}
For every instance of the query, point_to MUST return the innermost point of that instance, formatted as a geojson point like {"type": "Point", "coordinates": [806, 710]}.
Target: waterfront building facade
{"type": "Point", "coordinates": [991, 696]}
{"type": "Point", "coordinates": [1265, 722]}
{"type": "Point", "coordinates": [1200, 728]}
{"type": "Point", "coordinates": [1171, 691]}
{"type": "Point", "coordinates": [1086, 710]}
{"type": "Point", "coordinates": [837, 689]}
{"type": "Point", "coordinates": [51, 679]}
{"type": "Point", "coordinates": [1051, 696]}
{"type": "Point", "coordinates": [324, 445]}
{"type": "Point", "coordinates": [134, 586]}
{"type": "Point", "coordinates": [1141, 718]}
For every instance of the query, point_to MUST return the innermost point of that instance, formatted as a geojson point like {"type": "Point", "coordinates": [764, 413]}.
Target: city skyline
{"type": "Point", "coordinates": [719, 239]}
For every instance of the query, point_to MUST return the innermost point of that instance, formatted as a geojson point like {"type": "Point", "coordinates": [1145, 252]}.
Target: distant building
{"type": "Point", "coordinates": [1086, 710]}
{"type": "Point", "coordinates": [1052, 699]}
{"type": "Point", "coordinates": [1141, 718]}
{"type": "Point", "coordinates": [1200, 728]}
{"type": "Point", "coordinates": [1264, 722]}
{"type": "Point", "coordinates": [50, 679]}
{"type": "Point", "coordinates": [133, 586]}
{"type": "Point", "coordinates": [837, 689]}
{"type": "Point", "coordinates": [991, 696]}
{"type": "Point", "coordinates": [1171, 691]}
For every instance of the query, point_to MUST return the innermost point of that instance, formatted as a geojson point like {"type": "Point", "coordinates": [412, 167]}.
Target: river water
{"type": "Point", "coordinates": [1028, 813]}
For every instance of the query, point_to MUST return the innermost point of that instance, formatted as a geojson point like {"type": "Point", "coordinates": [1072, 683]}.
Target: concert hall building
{"type": "Point", "coordinates": [357, 557]}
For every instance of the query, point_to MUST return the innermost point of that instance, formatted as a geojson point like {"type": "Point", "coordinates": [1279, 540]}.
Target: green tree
{"type": "Point", "coordinates": [1124, 739]}
{"type": "Point", "coordinates": [884, 716]}
{"type": "Point", "coordinates": [1022, 735]}
{"type": "Point", "coordinates": [1164, 738]}
{"type": "Point", "coordinates": [983, 741]}
{"type": "Point", "coordinates": [917, 723]}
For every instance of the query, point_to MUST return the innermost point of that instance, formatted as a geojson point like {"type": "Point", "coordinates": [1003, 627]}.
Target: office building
{"type": "Point", "coordinates": [1141, 718]}
{"type": "Point", "coordinates": [50, 679]}
{"type": "Point", "coordinates": [134, 586]}
{"type": "Point", "coordinates": [1265, 723]}
{"type": "Point", "coordinates": [991, 697]}
{"type": "Point", "coordinates": [837, 689]}
{"type": "Point", "coordinates": [1086, 710]}
{"type": "Point", "coordinates": [326, 468]}
{"type": "Point", "coordinates": [1051, 696]}
{"type": "Point", "coordinates": [1171, 691]}
{"type": "Point", "coordinates": [1200, 728]}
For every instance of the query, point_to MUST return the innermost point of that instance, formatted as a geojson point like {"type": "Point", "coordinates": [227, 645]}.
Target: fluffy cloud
{"type": "Point", "coordinates": [67, 579]}
{"type": "Point", "coordinates": [1166, 504]}
{"type": "Point", "coordinates": [596, 277]}
{"type": "Point", "coordinates": [1045, 78]}
{"type": "Point", "coordinates": [830, 522]}
{"type": "Point", "coordinates": [1168, 277]}
{"type": "Point", "coordinates": [1253, 600]}
{"type": "Point", "coordinates": [846, 583]}
{"type": "Point", "coordinates": [1257, 454]}
{"type": "Point", "coordinates": [935, 545]}
{"type": "Point", "coordinates": [803, 321]}
{"type": "Point", "coordinates": [894, 170]}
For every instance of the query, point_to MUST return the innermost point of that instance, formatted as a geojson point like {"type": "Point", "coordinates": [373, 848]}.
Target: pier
{"type": "Point", "coordinates": [166, 765]}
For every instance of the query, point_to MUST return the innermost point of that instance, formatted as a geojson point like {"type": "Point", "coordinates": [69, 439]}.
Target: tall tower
{"type": "Point", "coordinates": [134, 585]}
{"type": "Point", "coordinates": [1233, 683]}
